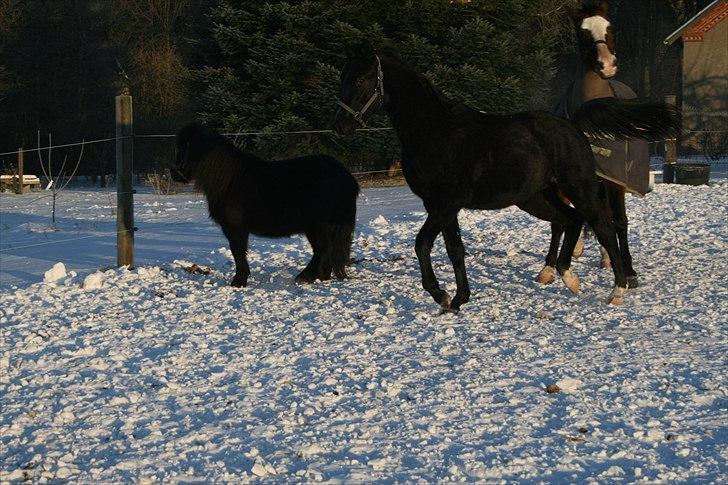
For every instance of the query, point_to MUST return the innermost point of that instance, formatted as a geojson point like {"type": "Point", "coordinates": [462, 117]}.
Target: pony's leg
{"type": "Point", "coordinates": [238, 246]}
{"type": "Point", "coordinates": [310, 272]}
{"type": "Point", "coordinates": [308, 275]}
{"type": "Point", "coordinates": [456, 253]}
{"type": "Point", "coordinates": [619, 216]}
{"type": "Point", "coordinates": [320, 265]}
{"type": "Point", "coordinates": [423, 247]}
{"type": "Point", "coordinates": [323, 272]}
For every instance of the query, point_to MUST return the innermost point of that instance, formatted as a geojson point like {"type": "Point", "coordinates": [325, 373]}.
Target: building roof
{"type": "Point", "coordinates": [694, 29]}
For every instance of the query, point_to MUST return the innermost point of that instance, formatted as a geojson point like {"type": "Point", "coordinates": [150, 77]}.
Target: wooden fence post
{"type": "Point", "coordinates": [668, 169]}
{"type": "Point", "coordinates": [19, 188]}
{"type": "Point", "coordinates": [124, 189]}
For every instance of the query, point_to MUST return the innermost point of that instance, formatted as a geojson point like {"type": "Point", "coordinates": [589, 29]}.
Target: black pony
{"type": "Point", "coordinates": [456, 157]}
{"type": "Point", "coordinates": [313, 195]}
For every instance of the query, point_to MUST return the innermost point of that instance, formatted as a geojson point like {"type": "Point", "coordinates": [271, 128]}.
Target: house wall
{"type": "Point", "coordinates": [705, 87]}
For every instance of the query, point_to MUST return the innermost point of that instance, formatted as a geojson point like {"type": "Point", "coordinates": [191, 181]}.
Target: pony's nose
{"type": "Point", "coordinates": [341, 123]}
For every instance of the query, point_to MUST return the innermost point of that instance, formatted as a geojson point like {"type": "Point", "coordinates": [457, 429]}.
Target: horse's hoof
{"type": "Point", "coordinates": [304, 279]}
{"type": "Point", "coordinates": [459, 300]}
{"type": "Point", "coordinates": [547, 275]}
{"type": "Point", "coordinates": [605, 264]}
{"type": "Point", "coordinates": [579, 248]}
{"type": "Point", "coordinates": [449, 311]}
{"type": "Point", "coordinates": [571, 281]}
{"type": "Point", "coordinates": [238, 283]}
{"type": "Point", "coordinates": [632, 282]}
{"type": "Point", "coordinates": [445, 302]}
{"type": "Point", "coordinates": [617, 296]}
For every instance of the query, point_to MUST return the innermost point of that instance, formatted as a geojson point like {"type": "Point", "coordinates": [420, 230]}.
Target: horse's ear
{"type": "Point", "coordinates": [185, 134]}
{"type": "Point", "coordinates": [591, 6]}
{"type": "Point", "coordinates": [361, 49]}
{"type": "Point", "coordinates": [575, 13]}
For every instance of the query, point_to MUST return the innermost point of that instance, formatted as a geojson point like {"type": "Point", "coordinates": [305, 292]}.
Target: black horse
{"type": "Point", "coordinates": [313, 195]}
{"type": "Point", "coordinates": [456, 157]}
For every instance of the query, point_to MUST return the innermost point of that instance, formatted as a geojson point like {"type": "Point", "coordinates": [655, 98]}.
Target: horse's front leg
{"type": "Point", "coordinates": [239, 247]}
{"type": "Point", "coordinates": [423, 248]}
{"type": "Point", "coordinates": [456, 252]}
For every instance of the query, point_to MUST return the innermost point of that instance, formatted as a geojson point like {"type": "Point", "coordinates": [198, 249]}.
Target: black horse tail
{"type": "Point", "coordinates": [342, 236]}
{"type": "Point", "coordinates": [342, 232]}
{"type": "Point", "coordinates": [626, 118]}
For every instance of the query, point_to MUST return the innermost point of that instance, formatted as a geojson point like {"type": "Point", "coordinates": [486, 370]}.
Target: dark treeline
{"type": "Point", "coordinates": [250, 65]}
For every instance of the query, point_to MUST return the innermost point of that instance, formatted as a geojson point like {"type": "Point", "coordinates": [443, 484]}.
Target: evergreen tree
{"type": "Point", "coordinates": [278, 64]}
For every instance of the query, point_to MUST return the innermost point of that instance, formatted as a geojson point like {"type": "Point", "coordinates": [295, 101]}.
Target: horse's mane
{"type": "Point", "coordinates": [591, 7]}
{"type": "Point", "coordinates": [218, 161]}
{"type": "Point", "coordinates": [448, 105]}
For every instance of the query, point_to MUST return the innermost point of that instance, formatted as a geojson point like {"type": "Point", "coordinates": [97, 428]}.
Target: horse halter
{"type": "Point", "coordinates": [378, 92]}
{"type": "Point", "coordinates": [609, 48]}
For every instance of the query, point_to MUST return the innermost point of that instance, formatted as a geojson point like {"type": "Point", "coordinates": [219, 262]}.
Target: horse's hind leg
{"type": "Point", "coordinates": [319, 267]}
{"type": "Point", "coordinates": [325, 242]}
{"type": "Point", "coordinates": [619, 216]}
{"type": "Point", "coordinates": [548, 207]}
{"type": "Point", "coordinates": [571, 238]}
{"type": "Point", "coordinates": [308, 275]}
{"type": "Point", "coordinates": [598, 217]}
{"type": "Point", "coordinates": [548, 273]}
{"type": "Point", "coordinates": [340, 248]}
{"type": "Point", "coordinates": [456, 253]}
{"type": "Point", "coordinates": [579, 248]}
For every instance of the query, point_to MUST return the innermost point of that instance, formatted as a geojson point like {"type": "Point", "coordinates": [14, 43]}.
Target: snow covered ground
{"type": "Point", "coordinates": [166, 373]}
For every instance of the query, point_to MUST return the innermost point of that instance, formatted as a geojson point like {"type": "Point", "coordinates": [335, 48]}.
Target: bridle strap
{"type": "Point", "coordinates": [184, 159]}
{"type": "Point", "coordinates": [378, 92]}
{"type": "Point", "coordinates": [597, 42]}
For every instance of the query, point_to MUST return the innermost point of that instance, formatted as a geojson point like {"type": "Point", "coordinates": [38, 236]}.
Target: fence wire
{"type": "Point", "coordinates": [248, 133]}
{"type": "Point", "coordinates": [60, 241]}
{"type": "Point", "coordinates": [253, 133]}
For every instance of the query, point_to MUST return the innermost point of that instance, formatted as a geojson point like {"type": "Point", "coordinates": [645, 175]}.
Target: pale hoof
{"type": "Point", "coordinates": [617, 296]}
{"type": "Point", "coordinates": [579, 248]}
{"type": "Point", "coordinates": [571, 281]}
{"type": "Point", "coordinates": [605, 263]}
{"type": "Point", "coordinates": [547, 275]}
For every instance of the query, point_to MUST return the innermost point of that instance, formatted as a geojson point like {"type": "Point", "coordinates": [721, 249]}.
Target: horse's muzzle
{"type": "Point", "coordinates": [177, 176]}
{"type": "Point", "coordinates": [344, 123]}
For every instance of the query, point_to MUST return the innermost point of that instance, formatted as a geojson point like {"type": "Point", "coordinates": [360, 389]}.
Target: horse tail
{"type": "Point", "coordinates": [342, 233]}
{"type": "Point", "coordinates": [342, 236]}
{"type": "Point", "coordinates": [627, 118]}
